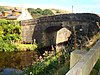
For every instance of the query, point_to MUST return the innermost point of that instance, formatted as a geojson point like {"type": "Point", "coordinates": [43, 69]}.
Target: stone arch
{"type": "Point", "coordinates": [52, 35]}
{"type": "Point", "coordinates": [52, 29]}
{"type": "Point", "coordinates": [49, 35]}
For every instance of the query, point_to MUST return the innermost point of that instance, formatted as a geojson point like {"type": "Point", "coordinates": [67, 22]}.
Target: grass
{"type": "Point", "coordinates": [50, 66]}
{"type": "Point", "coordinates": [96, 68]}
{"type": "Point", "coordinates": [94, 72]}
{"type": "Point", "coordinates": [63, 70]}
{"type": "Point", "coordinates": [97, 65]}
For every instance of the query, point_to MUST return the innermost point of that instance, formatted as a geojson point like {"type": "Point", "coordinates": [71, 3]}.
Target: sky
{"type": "Point", "coordinates": [79, 6]}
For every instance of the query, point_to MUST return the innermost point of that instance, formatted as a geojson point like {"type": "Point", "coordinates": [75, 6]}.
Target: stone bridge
{"type": "Point", "coordinates": [46, 30]}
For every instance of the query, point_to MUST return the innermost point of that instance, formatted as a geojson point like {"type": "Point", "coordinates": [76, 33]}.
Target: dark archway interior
{"type": "Point", "coordinates": [53, 29]}
{"type": "Point", "coordinates": [51, 34]}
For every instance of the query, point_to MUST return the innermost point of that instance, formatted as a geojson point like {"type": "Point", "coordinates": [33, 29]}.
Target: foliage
{"type": "Point", "coordinates": [97, 65]}
{"type": "Point", "coordinates": [2, 8]}
{"type": "Point", "coordinates": [26, 47]}
{"type": "Point", "coordinates": [32, 10]}
{"type": "Point", "coordinates": [41, 67]}
{"type": "Point", "coordinates": [62, 70]}
{"type": "Point", "coordinates": [96, 68]}
{"type": "Point", "coordinates": [1, 32]}
{"type": "Point", "coordinates": [39, 12]}
{"type": "Point", "coordinates": [47, 12]}
{"type": "Point", "coordinates": [9, 33]}
{"type": "Point", "coordinates": [35, 11]}
{"type": "Point", "coordinates": [6, 46]}
{"type": "Point", "coordinates": [45, 67]}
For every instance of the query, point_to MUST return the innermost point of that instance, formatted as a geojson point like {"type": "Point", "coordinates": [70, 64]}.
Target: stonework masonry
{"type": "Point", "coordinates": [44, 29]}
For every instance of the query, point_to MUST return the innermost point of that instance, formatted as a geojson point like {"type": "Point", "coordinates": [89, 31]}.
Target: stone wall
{"type": "Point", "coordinates": [70, 17]}
{"type": "Point", "coordinates": [45, 28]}
{"type": "Point", "coordinates": [28, 27]}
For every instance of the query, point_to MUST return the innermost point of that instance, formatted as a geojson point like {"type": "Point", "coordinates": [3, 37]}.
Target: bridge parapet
{"type": "Point", "coordinates": [87, 62]}
{"type": "Point", "coordinates": [28, 22]}
{"type": "Point", "coordinates": [70, 17]}
{"type": "Point", "coordinates": [85, 24]}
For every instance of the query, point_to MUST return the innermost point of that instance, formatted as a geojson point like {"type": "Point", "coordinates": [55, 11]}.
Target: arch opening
{"type": "Point", "coordinates": [52, 29]}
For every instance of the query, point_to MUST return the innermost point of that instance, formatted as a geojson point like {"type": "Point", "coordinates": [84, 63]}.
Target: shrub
{"type": "Point", "coordinates": [44, 67]}
{"type": "Point", "coordinates": [25, 47]}
{"type": "Point", "coordinates": [9, 32]}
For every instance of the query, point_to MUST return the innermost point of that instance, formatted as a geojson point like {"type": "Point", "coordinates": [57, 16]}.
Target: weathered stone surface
{"type": "Point", "coordinates": [27, 33]}
{"type": "Point", "coordinates": [86, 64]}
{"type": "Point", "coordinates": [66, 17]}
{"type": "Point", "coordinates": [62, 35]}
{"type": "Point", "coordinates": [45, 29]}
{"type": "Point", "coordinates": [29, 22]}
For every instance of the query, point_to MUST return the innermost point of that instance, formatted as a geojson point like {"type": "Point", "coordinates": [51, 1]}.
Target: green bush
{"type": "Point", "coordinates": [7, 46]}
{"type": "Point", "coordinates": [10, 32]}
{"type": "Point", "coordinates": [41, 67]}
{"type": "Point", "coordinates": [36, 13]}
{"type": "Point", "coordinates": [47, 12]}
{"type": "Point", "coordinates": [45, 67]}
{"type": "Point", "coordinates": [25, 47]}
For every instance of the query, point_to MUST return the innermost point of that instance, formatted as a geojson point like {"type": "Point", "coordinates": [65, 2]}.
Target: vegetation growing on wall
{"type": "Point", "coordinates": [9, 33]}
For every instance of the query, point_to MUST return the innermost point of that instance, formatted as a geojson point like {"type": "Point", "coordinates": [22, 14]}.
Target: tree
{"type": "Point", "coordinates": [47, 12]}
{"type": "Point", "coordinates": [2, 8]}
{"type": "Point", "coordinates": [32, 11]}
{"type": "Point", "coordinates": [38, 10]}
{"type": "Point", "coordinates": [36, 13]}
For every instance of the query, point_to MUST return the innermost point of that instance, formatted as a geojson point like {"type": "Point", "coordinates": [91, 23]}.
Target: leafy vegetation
{"type": "Point", "coordinates": [7, 46]}
{"type": "Point", "coordinates": [48, 66]}
{"type": "Point", "coordinates": [97, 65]}
{"type": "Point", "coordinates": [47, 12]}
{"type": "Point", "coordinates": [2, 8]}
{"type": "Point", "coordinates": [39, 12]}
{"type": "Point", "coordinates": [96, 68]}
{"type": "Point", "coordinates": [25, 47]}
{"type": "Point", "coordinates": [9, 33]}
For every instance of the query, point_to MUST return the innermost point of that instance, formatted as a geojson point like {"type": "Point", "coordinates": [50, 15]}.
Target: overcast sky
{"type": "Point", "coordinates": [79, 6]}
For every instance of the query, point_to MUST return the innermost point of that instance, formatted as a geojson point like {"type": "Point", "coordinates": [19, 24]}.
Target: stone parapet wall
{"type": "Point", "coordinates": [71, 17]}
{"type": "Point", "coordinates": [29, 22]}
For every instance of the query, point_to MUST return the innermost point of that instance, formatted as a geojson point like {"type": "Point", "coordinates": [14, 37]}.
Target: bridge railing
{"type": "Point", "coordinates": [86, 62]}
